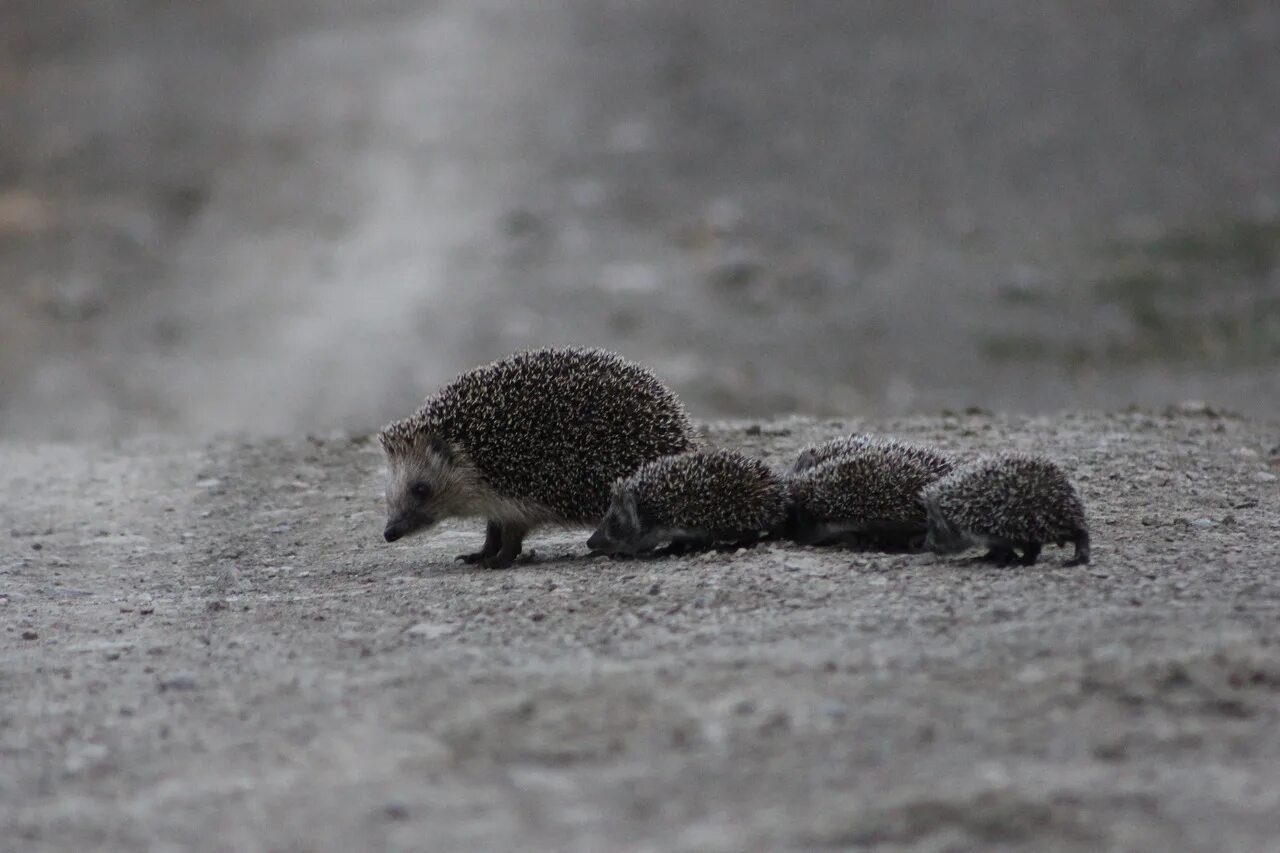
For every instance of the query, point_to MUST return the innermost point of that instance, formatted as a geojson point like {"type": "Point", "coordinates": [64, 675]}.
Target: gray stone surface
{"type": "Point", "coordinates": [208, 647]}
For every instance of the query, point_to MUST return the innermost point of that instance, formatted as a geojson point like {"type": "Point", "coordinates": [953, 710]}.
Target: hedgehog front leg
{"type": "Point", "coordinates": [1030, 551]}
{"type": "Point", "coordinates": [1082, 549]}
{"type": "Point", "coordinates": [492, 544]}
{"type": "Point", "coordinates": [687, 542]}
{"type": "Point", "coordinates": [512, 541]}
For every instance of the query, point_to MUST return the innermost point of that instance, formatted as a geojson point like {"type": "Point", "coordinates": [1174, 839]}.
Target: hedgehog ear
{"type": "Point", "coordinates": [441, 448]}
{"type": "Point", "coordinates": [631, 512]}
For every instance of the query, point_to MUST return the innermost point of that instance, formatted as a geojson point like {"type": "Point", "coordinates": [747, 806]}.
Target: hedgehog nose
{"type": "Point", "coordinates": [392, 533]}
{"type": "Point", "coordinates": [598, 541]}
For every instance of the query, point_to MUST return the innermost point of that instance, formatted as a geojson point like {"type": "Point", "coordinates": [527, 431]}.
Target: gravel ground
{"type": "Point", "coordinates": [208, 647]}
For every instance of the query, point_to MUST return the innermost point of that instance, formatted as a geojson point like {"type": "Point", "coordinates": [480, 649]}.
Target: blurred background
{"type": "Point", "coordinates": [302, 215]}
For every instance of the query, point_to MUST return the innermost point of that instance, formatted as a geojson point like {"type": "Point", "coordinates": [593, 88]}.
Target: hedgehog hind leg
{"type": "Point", "coordinates": [1081, 556]}
{"type": "Point", "coordinates": [512, 535]}
{"type": "Point", "coordinates": [492, 544]}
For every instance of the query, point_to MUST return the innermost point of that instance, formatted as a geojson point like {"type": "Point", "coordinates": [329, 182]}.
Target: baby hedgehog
{"type": "Point", "coordinates": [534, 438]}
{"type": "Point", "coordinates": [693, 500]}
{"type": "Point", "coordinates": [1006, 502]}
{"type": "Point", "coordinates": [869, 494]}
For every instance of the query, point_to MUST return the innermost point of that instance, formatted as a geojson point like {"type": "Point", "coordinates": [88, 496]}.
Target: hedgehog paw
{"type": "Point", "coordinates": [914, 544]}
{"type": "Point", "coordinates": [498, 561]}
{"type": "Point", "coordinates": [470, 559]}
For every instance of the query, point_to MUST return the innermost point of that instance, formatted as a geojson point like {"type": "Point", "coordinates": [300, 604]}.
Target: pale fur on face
{"type": "Point", "coordinates": [943, 536]}
{"type": "Point", "coordinates": [454, 488]}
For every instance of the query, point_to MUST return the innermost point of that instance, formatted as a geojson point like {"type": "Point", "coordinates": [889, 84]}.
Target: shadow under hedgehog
{"type": "Point", "coordinates": [538, 437]}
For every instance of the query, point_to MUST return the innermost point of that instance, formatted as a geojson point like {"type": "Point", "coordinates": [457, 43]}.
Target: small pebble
{"type": "Point", "coordinates": [835, 710]}
{"type": "Point", "coordinates": [429, 630]}
{"type": "Point", "coordinates": [181, 681]}
{"type": "Point", "coordinates": [30, 635]}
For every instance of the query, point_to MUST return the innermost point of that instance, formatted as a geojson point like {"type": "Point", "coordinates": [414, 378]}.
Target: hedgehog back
{"type": "Point", "coordinates": [815, 454]}
{"type": "Point", "coordinates": [720, 490]}
{"type": "Point", "coordinates": [875, 481]}
{"type": "Point", "coordinates": [559, 426]}
{"type": "Point", "coordinates": [1012, 496]}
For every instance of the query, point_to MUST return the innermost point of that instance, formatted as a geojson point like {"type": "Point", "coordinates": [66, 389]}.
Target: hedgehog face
{"type": "Point", "coordinates": [807, 459]}
{"type": "Point", "coordinates": [427, 484]}
{"type": "Point", "coordinates": [620, 531]}
{"type": "Point", "coordinates": [943, 537]}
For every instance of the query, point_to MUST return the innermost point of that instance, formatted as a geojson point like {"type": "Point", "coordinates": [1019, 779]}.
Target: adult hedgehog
{"type": "Point", "coordinates": [535, 438]}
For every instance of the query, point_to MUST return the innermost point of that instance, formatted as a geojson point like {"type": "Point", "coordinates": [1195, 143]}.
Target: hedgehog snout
{"type": "Point", "coordinates": [405, 525]}
{"type": "Point", "coordinates": [599, 540]}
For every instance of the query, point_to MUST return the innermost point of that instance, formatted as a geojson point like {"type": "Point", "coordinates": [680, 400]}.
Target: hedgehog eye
{"type": "Point", "coordinates": [421, 491]}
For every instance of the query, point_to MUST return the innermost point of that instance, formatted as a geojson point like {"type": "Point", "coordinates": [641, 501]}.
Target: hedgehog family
{"type": "Point", "coordinates": [692, 501]}
{"type": "Point", "coordinates": [862, 491]}
{"type": "Point", "coordinates": [536, 438]}
{"type": "Point", "coordinates": [1008, 502]}
{"type": "Point", "coordinates": [574, 436]}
